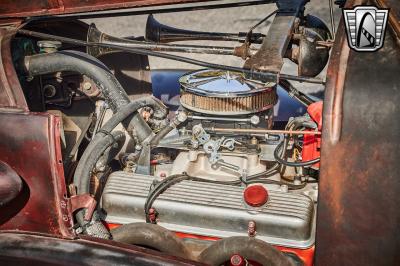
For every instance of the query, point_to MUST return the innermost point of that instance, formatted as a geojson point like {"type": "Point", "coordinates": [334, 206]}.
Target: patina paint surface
{"type": "Point", "coordinates": [29, 8]}
{"type": "Point", "coordinates": [358, 207]}
{"type": "Point", "coordinates": [30, 144]}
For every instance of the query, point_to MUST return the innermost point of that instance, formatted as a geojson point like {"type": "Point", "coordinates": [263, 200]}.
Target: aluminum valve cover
{"type": "Point", "coordinates": [211, 210]}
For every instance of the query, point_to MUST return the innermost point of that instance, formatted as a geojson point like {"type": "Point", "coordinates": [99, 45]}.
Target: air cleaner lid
{"type": "Point", "coordinates": [218, 82]}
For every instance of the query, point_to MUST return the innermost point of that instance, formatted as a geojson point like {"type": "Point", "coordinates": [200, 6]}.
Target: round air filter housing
{"type": "Point", "coordinates": [217, 92]}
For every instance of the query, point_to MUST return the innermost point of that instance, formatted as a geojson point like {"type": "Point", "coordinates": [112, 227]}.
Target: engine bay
{"type": "Point", "coordinates": [218, 166]}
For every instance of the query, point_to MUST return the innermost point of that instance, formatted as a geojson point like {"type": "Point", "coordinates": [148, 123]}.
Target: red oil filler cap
{"type": "Point", "coordinates": [255, 195]}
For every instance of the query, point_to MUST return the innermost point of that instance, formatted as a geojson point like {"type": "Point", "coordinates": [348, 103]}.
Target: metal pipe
{"type": "Point", "coordinates": [96, 36]}
{"type": "Point", "coordinates": [180, 48]}
{"type": "Point", "coordinates": [260, 131]}
{"type": "Point", "coordinates": [332, 18]}
{"type": "Point", "coordinates": [254, 119]}
{"type": "Point", "coordinates": [160, 33]}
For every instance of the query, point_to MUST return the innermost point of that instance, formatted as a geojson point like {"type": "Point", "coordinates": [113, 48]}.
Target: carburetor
{"type": "Point", "coordinates": [227, 99]}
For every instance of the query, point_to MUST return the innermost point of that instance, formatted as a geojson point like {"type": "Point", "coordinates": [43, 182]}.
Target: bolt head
{"type": "Point", "coordinates": [181, 117]}
{"type": "Point", "coordinates": [237, 260]}
{"type": "Point", "coordinates": [255, 120]}
{"type": "Point", "coordinates": [87, 86]}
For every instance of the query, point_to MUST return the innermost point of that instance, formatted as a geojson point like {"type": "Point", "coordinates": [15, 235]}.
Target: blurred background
{"type": "Point", "coordinates": [237, 19]}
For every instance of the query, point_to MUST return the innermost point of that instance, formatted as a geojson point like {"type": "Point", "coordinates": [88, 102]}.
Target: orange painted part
{"type": "Point", "coordinates": [110, 226]}
{"type": "Point", "coordinates": [306, 255]}
{"type": "Point", "coordinates": [199, 237]}
{"type": "Point", "coordinates": [312, 143]}
{"type": "Point", "coordinates": [315, 112]}
{"type": "Point", "coordinates": [311, 148]}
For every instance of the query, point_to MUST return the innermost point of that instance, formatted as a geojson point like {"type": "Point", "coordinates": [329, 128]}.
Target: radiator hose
{"type": "Point", "coordinates": [249, 248]}
{"type": "Point", "coordinates": [82, 172]}
{"type": "Point", "coordinates": [152, 236]}
{"type": "Point", "coordinates": [82, 63]}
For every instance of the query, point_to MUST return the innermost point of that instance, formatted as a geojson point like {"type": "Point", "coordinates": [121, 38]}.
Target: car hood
{"type": "Point", "coordinates": [32, 8]}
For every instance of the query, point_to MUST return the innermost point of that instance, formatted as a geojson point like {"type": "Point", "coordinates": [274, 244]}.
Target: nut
{"type": "Point", "coordinates": [255, 120]}
{"type": "Point", "coordinates": [87, 86]}
{"type": "Point", "coordinates": [181, 117]}
{"type": "Point", "coordinates": [252, 229]}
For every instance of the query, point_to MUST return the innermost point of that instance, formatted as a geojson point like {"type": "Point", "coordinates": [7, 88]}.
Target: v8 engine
{"type": "Point", "coordinates": [216, 173]}
{"type": "Point", "coordinates": [218, 179]}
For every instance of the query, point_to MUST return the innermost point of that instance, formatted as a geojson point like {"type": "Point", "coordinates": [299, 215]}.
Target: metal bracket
{"type": "Point", "coordinates": [269, 58]}
{"type": "Point", "coordinates": [82, 201]}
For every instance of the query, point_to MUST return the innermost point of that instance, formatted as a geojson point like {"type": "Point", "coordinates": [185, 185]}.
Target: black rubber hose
{"type": "Point", "coordinates": [179, 119]}
{"type": "Point", "coordinates": [249, 248]}
{"type": "Point", "coordinates": [158, 190]}
{"type": "Point", "coordinates": [153, 236]}
{"type": "Point", "coordinates": [89, 159]}
{"type": "Point", "coordinates": [82, 172]}
{"type": "Point", "coordinates": [160, 135]}
{"type": "Point", "coordinates": [94, 69]}
{"type": "Point", "coordinates": [172, 180]}
{"type": "Point", "coordinates": [293, 164]}
{"type": "Point", "coordinates": [160, 111]}
{"type": "Point", "coordinates": [282, 154]}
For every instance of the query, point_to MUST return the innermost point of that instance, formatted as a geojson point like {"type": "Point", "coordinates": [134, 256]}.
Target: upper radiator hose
{"type": "Point", "coordinates": [250, 248]}
{"type": "Point", "coordinates": [152, 236]}
{"type": "Point", "coordinates": [94, 69]}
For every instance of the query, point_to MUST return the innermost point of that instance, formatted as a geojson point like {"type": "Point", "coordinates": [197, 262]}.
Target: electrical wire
{"type": "Point", "coordinates": [263, 20]}
{"type": "Point", "coordinates": [162, 186]}
{"type": "Point", "coordinates": [250, 31]}
{"type": "Point", "coordinates": [296, 94]}
{"type": "Point", "coordinates": [293, 164]}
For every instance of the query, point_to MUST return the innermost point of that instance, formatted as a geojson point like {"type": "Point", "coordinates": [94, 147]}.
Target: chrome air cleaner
{"type": "Point", "coordinates": [226, 93]}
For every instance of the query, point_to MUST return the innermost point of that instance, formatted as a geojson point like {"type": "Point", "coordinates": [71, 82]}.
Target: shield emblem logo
{"type": "Point", "coordinates": [365, 27]}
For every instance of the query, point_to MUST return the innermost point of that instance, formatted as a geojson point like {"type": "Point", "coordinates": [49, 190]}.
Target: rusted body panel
{"type": "Point", "coordinates": [10, 184]}
{"type": "Point", "coordinates": [11, 95]}
{"type": "Point", "coordinates": [30, 144]}
{"type": "Point", "coordinates": [29, 8]}
{"type": "Point", "coordinates": [29, 249]}
{"type": "Point", "coordinates": [394, 14]}
{"type": "Point", "coordinates": [358, 211]}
